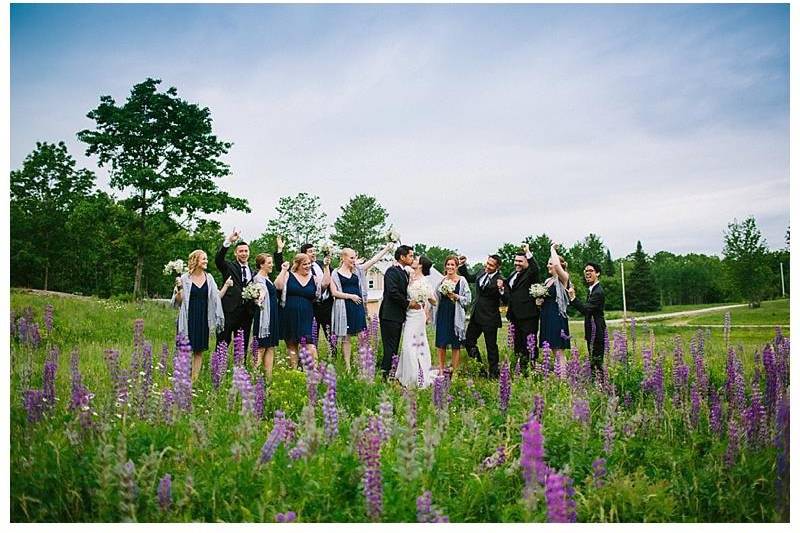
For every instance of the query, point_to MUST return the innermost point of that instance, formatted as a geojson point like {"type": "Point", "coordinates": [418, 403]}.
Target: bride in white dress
{"type": "Point", "coordinates": [414, 366]}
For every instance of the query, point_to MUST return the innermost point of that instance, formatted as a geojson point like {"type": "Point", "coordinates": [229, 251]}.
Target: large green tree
{"type": "Point", "coordinates": [43, 194]}
{"type": "Point", "coordinates": [162, 151]}
{"type": "Point", "coordinates": [746, 259]}
{"type": "Point", "coordinates": [641, 284]}
{"type": "Point", "coordinates": [300, 220]}
{"type": "Point", "coordinates": [437, 254]}
{"type": "Point", "coordinates": [361, 225]}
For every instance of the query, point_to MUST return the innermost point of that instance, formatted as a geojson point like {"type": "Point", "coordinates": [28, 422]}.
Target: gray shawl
{"type": "Point", "coordinates": [317, 280]}
{"type": "Point", "coordinates": [216, 318]}
{"type": "Point", "coordinates": [464, 298]}
{"type": "Point", "coordinates": [339, 311]}
{"type": "Point", "coordinates": [562, 299]}
{"type": "Point", "coordinates": [263, 321]}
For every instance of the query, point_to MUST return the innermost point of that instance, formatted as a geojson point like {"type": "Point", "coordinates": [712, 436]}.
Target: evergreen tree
{"type": "Point", "coordinates": [641, 284]}
{"type": "Point", "coordinates": [361, 226]}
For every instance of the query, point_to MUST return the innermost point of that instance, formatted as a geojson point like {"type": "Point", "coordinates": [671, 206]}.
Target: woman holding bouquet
{"type": "Point", "coordinates": [453, 297]}
{"type": "Point", "coordinates": [349, 290]}
{"type": "Point", "coordinates": [299, 289]}
{"type": "Point", "coordinates": [554, 322]}
{"type": "Point", "coordinates": [200, 307]}
{"type": "Point", "coordinates": [266, 321]}
{"type": "Point", "coordinates": [414, 365]}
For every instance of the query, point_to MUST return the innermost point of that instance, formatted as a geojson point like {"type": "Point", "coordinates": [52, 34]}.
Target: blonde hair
{"type": "Point", "coordinates": [346, 251]}
{"type": "Point", "coordinates": [298, 260]}
{"type": "Point", "coordinates": [261, 259]}
{"type": "Point", "coordinates": [194, 260]}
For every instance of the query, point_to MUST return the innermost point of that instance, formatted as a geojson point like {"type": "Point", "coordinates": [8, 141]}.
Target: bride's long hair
{"type": "Point", "coordinates": [426, 265]}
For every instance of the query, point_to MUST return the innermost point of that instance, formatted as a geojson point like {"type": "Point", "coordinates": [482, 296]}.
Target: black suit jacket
{"type": "Point", "coordinates": [521, 305]}
{"type": "Point", "coordinates": [231, 269]}
{"type": "Point", "coordinates": [395, 295]}
{"type": "Point", "coordinates": [593, 308]}
{"type": "Point", "coordinates": [486, 310]}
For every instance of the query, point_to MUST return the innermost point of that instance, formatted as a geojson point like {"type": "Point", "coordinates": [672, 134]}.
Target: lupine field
{"type": "Point", "coordinates": [684, 425]}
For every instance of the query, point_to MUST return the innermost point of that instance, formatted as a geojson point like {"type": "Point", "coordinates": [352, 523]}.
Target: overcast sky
{"type": "Point", "coordinates": [472, 125]}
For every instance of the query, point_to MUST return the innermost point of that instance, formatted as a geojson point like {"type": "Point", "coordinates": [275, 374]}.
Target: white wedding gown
{"type": "Point", "coordinates": [415, 352]}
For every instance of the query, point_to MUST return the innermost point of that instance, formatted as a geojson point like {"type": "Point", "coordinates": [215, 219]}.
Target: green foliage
{"type": "Point", "coordinates": [300, 220]}
{"type": "Point", "coordinates": [436, 254]}
{"type": "Point", "coordinates": [361, 225]}
{"type": "Point", "coordinates": [745, 258]}
{"type": "Point", "coordinates": [640, 286]}
{"type": "Point", "coordinates": [161, 149]}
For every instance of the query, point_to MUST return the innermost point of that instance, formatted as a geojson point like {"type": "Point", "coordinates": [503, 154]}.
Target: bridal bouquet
{"type": "Point", "coordinates": [326, 249]}
{"type": "Point", "coordinates": [392, 235]}
{"type": "Point", "coordinates": [538, 290]}
{"type": "Point", "coordinates": [253, 291]}
{"type": "Point", "coordinates": [418, 294]}
{"type": "Point", "coordinates": [177, 266]}
{"type": "Point", "coordinates": [448, 286]}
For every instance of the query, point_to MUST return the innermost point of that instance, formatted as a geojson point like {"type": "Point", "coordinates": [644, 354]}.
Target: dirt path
{"type": "Point", "coordinates": [676, 314]}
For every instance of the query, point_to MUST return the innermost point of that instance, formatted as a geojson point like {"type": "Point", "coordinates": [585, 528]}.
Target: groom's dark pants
{"type": "Point", "coordinates": [523, 328]}
{"type": "Point", "coordinates": [390, 336]}
{"type": "Point", "coordinates": [474, 330]}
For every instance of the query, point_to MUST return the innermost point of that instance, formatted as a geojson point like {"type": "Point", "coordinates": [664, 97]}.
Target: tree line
{"type": "Point", "coordinates": [164, 164]}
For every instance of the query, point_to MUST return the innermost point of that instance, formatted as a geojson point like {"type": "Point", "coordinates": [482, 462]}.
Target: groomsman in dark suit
{"type": "Point", "coordinates": [238, 313]}
{"type": "Point", "coordinates": [523, 312]}
{"type": "Point", "coordinates": [593, 311]}
{"type": "Point", "coordinates": [323, 308]}
{"type": "Point", "coordinates": [485, 316]}
{"type": "Point", "coordinates": [394, 304]}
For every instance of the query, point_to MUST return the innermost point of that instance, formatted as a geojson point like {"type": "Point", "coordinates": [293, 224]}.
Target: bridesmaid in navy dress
{"type": "Point", "coordinates": [299, 291]}
{"type": "Point", "coordinates": [266, 322]}
{"type": "Point", "coordinates": [446, 334]}
{"type": "Point", "coordinates": [554, 328]}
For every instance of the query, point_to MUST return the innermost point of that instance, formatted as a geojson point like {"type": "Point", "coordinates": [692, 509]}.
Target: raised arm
{"type": "Point", "coordinates": [562, 274]}
{"type": "Point", "coordinates": [463, 271]}
{"type": "Point", "coordinates": [377, 257]}
{"type": "Point", "coordinates": [277, 256]}
{"type": "Point", "coordinates": [219, 260]}
{"type": "Point", "coordinates": [326, 272]}
{"type": "Point", "coordinates": [280, 281]}
{"type": "Point", "coordinates": [595, 303]}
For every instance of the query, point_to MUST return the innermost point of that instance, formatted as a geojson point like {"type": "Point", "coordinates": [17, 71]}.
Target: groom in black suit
{"type": "Point", "coordinates": [485, 316]}
{"type": "Point", "coordinates": [238, 313]}
{"type": "Point", "coordinates": [395, 302]}
{"type": "Point", "coordinates": [593, 311]}
{"type": "Point", "coordinates": [523, 312]}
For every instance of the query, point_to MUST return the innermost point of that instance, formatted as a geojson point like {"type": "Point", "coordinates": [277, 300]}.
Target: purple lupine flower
{"type": "Point", "coordinates": [755, 418]}
{"type": "Point", "coordinates": [146, 374]}
{"type": "Point", "coordinates": [580, 410]}
{"type": "Point", "coordinates": [238, 348]}
{"type": "Point", "coordinates": [241, 380]}
{"type": "Point", "coordinates": [510, 337]}
{"type": "Point", "coordinates": [715, 412]}
{"type": "Point", "coordinates": [564, 336]}
{"type": "Point", "coordinates": [420, 377]}
{"type": "Point", "coordinates": [732, 453]}
{"type": "Point", "coordinates": [734, 385]}
{"type": "Point", "coordinates": [333, 341]}
{"type": "Point", "coordinates": [538, 408]}
{"type": "Point", "coordinates": [260, 393]}
{"type": "Point", "coordinates": [369, 451]}
{"type": "Point", "coordinates": [168, 408]}
{"type": "Point", "coordinates": [254, 349]}
{"type": "Point", "coordinates": [22, 330]}
{"type": "Point", "coordinates": [138, 332]}
{"type": "Point", "coordinates": [299, 451]}
{"type": "Point", "coordinates": [393, 369]}
{"type": "Point", "coordinates": [366, 358]}
{"type": "Point", "coordinates": [771, 378]}
{"type": "Point", "coordinates": [531, 344]}
{"type": "Point", "coordinates": [517, 368]}
{"type": "Point", "coordinates": [13, 324]}
{"type": "Point", "coordinates": [531, 458]}
{"type": "Point", "coordinates": [606, 344]}
{"type": "Point", "coordinates": [505, 385]}
{"type": "Point", "coordinates": [49, 386]}
{"type": "Point", "coordinates": [439, 392]}
{"type": "Point", "coordinates": [34, 403]}
{"type": "Point", "coordinates": [680, 371]}
{"type": "Point", "coordinates": [633, 333]}
{"type": "Point", "coordinates": [48, 318]}
{"type": "Point", "coordinates": [608, 437]}
{"type": "Point", "coordinates": [494, 460]}
{"type": "Point", "coordinates": [219, 363]}
{"type": "Point", "coordinates": [426, 513]}
{"type": "Point", "coordinates": [165, 492]}
{"type": "Point", "coordinates": [599, 472]}
{"type": "Point", "coordinates": [276, 436]}
{"type": "Point", "coordinates": [314, 331]}
{"type": "Point", "coordinates": [782, 457]}
{"type": "Point", "coordinates": [694, 416]}
{"type": "Point", "coordinates": [701, 377]}
{"type": "Point", "coordinates": [573, 369]}
{"type": "Point", "coordinates": [385, 420]}
{"type": "Point", "coordinates": [620, 350]}
{"type": "Point", "coordinates": [164, 355]}
{"type": "Point", "coordinates": [288, 516]}
{"type": "Point", "coordinates": [329, 411]}
{"type": "Point", "coordinates": [34, 337]}
{"type": "Point", "coordinates": [474, 392]}
{"type": "Point", "coordinates": [560, 503]}
{"type": "Point", "coordinates": [182, 374]}
{"type": "Point", "coordinates": [546, 357]}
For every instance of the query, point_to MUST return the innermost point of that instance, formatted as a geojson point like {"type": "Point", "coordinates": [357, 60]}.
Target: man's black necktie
{"type": "Point", "coordinates": [244, 275]}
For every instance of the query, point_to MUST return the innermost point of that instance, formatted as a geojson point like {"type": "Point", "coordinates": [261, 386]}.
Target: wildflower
{"type": "Point", "coordinates": [276, 436]}
{"type": "Point", "coordinates": [599, 471]}
{"type": "Point", "coordinates": [427, 513]}
{"type": "Point", "coordinates": [34, 402]}
{"type": "Point", "coordinates": [288, 516]}
{"type": "Point", "coordinates": [165, 492]}
{"type": "Point", "coordinates": [531, 458]}
{"type": "Point", "coordinates": [531, 344]}
{"type": "Point", "coordinates": [505, 386]}
{"type": "Point", "coordinates": [580, 410]}
{"type": "Point", "coordinates": [238, 348]}
{"type": "Point", "coordinates": [538, 407]}
{"type": "Point", "coordinates": [559, 496]}
{"type": "Point", "coordinates": [48, 318]}
{"type": "Point", "coordinates": [510, 338]}
{"type": "Point", "coordinates": [369, 451]}
{"type": "Point", "coordinates": [329, 410]}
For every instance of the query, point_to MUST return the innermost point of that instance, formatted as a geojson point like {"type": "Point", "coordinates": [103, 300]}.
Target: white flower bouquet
{"type": "Point", "coordinates": [326, 249]}
{"type": "Point", "coordinates": [418, 294]}
{"type": "Point", "coordinates": [177, 266]}
{"type": "Point", "coordinates": [448, 286]}
{"type": "Point", "coordinates": [392, 235]}
{"type": "Point", "coordinates": [253, 291]}
{"type": "Point", "coordinates": [538, 290]}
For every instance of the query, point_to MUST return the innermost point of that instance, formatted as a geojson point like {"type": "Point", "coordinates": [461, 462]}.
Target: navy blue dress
{"type": "Point", "coordinates": [552, 323]}
{"type": "Point", "coordinates": [356, 316]}
{"type": "Point", "coordinates": [446, 322]}
{"type": "Point", "coordinates": [298, 315]}
{"type": "Point", "coordinates": [274, 319]}
{"type": "Point", "coordinates": [198, 317]}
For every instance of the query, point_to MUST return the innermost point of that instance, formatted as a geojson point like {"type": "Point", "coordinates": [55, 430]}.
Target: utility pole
{"type": "Point", "coordinates": [783, 285]}
{"type": "Point", "coordinates": [624, 304]}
